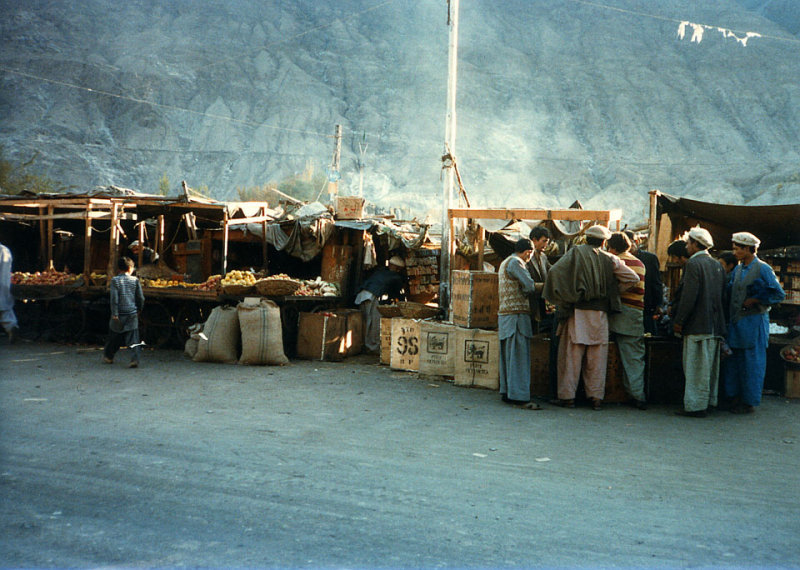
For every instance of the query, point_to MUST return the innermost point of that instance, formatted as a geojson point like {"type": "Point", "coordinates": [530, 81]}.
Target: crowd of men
{"type": "Point", "coordinates": [608, 288]}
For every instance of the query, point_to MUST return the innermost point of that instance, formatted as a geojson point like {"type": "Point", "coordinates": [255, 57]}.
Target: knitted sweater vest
{"type": "Point", "coordinates": [512, 300]}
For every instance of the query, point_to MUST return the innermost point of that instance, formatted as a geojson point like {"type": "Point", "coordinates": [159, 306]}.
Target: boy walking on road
{"type": "Point", "coordinates": [127, 299]}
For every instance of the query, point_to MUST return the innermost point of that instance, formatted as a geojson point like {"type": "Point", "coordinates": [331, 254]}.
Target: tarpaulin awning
{"type": "Point", "coordinates": [776, 226]}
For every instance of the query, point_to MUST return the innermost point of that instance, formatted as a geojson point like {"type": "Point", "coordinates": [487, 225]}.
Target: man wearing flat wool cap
{"type": "Point", "coordinates": [752, 290]}
{"type": "Point", "coordinates": [746, 238]}
{"type": "Point", "coordinates": [700, 320]}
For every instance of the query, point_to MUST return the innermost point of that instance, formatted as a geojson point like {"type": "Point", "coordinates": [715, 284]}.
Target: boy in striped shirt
{"type": "Point", "coordinates": [127, 299]}
{"type": "Point", "coordinates": [628, 325]}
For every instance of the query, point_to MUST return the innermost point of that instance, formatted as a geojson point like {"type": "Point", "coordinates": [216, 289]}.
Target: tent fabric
{"type": "Point", "coordinates": [776, 226]}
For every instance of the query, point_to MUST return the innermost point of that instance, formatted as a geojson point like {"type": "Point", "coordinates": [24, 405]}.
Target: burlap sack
{"type": "Point", "coordinates": [262, 333]}
{"type": "Point", "coordinates": [190, 348]}
{"type": "Point", "coordinates": [219, 341]}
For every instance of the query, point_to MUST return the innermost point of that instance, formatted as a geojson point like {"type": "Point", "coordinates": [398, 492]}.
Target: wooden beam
{"type": "Point", "coordinates": [525, 214]}
{"type": "Point", "coordinates": [251, 220]}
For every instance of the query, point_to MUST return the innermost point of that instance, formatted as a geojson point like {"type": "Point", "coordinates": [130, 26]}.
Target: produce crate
{"type": "Point", "coordinates": [477, 359]}
{"type": "Point", "coordinates": [792, 382]}
{"type": "Point", "coordinates": [437, 348]}
{"type": "Point", "coordinates": [349, 208]}
{"type": "Point", "coordinates": [405, 344]}
{"type": "Point", "coordinates": [386, 341]}
{"type": "Point", "coordinates": [475, 299]}
{"type": "Point", "coordinates": [321, 336]}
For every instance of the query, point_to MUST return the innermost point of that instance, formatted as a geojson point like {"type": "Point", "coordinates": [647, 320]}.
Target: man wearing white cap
{"type": "Point", "coordinates": [585, 284]}
{"type": "Point", "coordinates": [753, 289]}
{"type": "Point", "coordinates": [700, 320]}
{"type": "Point", "coordinates": [383, 282]}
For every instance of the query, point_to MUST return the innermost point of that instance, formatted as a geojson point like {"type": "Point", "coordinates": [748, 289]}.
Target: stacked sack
{"type": "Point", "coordinates": [253, 325]}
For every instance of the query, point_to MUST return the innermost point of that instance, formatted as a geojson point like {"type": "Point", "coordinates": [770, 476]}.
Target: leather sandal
{"type": "Point", "coordinates": [597, 403]}
{"type": "Point", "coordinates": [563, 403]}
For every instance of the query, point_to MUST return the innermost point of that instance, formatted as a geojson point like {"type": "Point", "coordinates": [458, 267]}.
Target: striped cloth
{"type": "Point", "coordinates": [633, 297]}
{"type": "Point", "coordinates": [127, 296]}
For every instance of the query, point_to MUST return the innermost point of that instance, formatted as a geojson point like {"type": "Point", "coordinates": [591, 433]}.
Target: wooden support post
{"type": "Point", "coordinates": [160, 236]}
{"type": "Point", "coordinates": [87, 245]}
{"type": "Point", "coordinates": [225, 230]}
{"type": "Point", "coordinates": [113, 241]}
{"type": "Point", "coordinates": [481, 237]}
{"type": "Point", "coordinates": [140, 255]}
{"type": "Point", "coordinates": [42, 239]}
{"type": "Point", "coordinates": [264, 249]}
{"type": "Point", "coordinates": [50, 237]}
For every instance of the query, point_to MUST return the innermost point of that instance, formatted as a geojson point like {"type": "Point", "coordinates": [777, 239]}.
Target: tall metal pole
{"type": "Point", "coordinates": [449, 149]}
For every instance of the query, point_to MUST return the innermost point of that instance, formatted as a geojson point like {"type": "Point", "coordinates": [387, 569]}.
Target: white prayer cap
{"type": "Point", "coordinates": [701, 236]}
{"type": "Point", "coordinates": [134, 243]}
{"type": "Point", "coordinates": [397, 260]}
{"type": "Point", "coordinates": [598, 231]}
{"type": "Point", "coordinates": [745, 238]}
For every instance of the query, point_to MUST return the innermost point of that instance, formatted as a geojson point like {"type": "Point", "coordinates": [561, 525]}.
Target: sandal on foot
{"type": "Point", "coordinates": [563, 403]}
{"type": "Point", "coordinates": [597, 403]}
{"type": "Point", "coordinates": [528, 406]}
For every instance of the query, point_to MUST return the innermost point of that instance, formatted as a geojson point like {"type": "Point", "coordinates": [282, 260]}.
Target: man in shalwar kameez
{"type": "Point", "coordinates": [585, 284]}
{"type": "Point", "coordinates": [752, 289]}
{"type": "Point", "coordinates": [700, 320]}
{"type": "Point", "coordinates": [514, 326]}
{"type": "Point", "coordinates": [8, 320]}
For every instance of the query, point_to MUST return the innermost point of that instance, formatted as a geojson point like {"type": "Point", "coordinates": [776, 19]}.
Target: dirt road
{"type": "Point", "coordinates": [180, 464]}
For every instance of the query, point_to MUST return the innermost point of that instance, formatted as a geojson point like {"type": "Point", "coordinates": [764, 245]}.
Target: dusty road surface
{"type": "Point", "coordinates": [180, 464]}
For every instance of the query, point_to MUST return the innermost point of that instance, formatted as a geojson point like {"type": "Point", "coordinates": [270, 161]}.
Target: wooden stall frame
{"type": "Point", "coordinates": [606, 217]}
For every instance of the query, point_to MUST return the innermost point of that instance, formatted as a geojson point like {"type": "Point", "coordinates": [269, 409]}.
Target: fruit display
{"type": "Point", "coordinates": [210, 284]}
{"type": "Point", "coordinates": [161, 283]}
{"type": "Point", "coordinates": [48, 277]}
{"type": "Point", "coordinates": [317, 288]}
{"type": "Point", "coordinates": [791, 354]}
{"type": "Point", "coordinates": [240, 278]}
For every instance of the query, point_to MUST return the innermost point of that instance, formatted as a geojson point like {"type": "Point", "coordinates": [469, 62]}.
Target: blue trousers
{"type": "Point", "coordinates": [744, 374]}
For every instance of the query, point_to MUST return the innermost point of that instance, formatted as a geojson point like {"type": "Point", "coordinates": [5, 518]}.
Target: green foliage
{"type": "Point", "coordinates": [304, 186]}
{"type": "Point", "coordinates": [163, 185]}
{"type": "Point", "coordinates": [17, 178]}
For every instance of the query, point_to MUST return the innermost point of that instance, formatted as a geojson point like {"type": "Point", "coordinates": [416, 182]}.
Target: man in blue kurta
{"type": "Point", "coordinates": [753, 289]}
{"type": "Point", "coordinates": [514, 326]}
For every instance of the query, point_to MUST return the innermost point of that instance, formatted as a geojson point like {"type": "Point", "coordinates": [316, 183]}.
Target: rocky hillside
{"type": "Point", "coordinates": [557, 100]}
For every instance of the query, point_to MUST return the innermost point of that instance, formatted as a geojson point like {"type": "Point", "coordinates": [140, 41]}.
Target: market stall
{"type": "Point", "coordinates": [778, 229]}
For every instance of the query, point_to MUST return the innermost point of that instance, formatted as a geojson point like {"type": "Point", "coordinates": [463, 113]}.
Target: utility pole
{"type": "Point", "coordinates": [333, 171]}
{"type": "Point", "coordinates": [449, 156]}
{"type": "Point", "coordinates": [362, 149]}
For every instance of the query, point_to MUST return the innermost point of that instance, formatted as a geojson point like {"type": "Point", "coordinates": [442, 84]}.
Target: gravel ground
{"type": "Point", "coordinates": [181, 464]}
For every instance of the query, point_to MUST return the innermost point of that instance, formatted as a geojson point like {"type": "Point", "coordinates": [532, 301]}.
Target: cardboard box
{"type": "Point", "coordinates": [322, 336]}
{"type": "Point", "coordinates": [477, 359]}
{"type": "Point", "coordinates": [405, 344]}
{"type": "Point", "coordinates": [349, 208]}
{"type": "Point", "coordinates": [475, 299]}
{"type": "Point", "coordinates": [437, 348]}
{"type": "Point", "coordinates": [386, 340]}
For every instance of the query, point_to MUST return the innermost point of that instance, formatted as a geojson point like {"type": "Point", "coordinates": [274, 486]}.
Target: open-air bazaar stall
{"type": "Point", "coordinates": [65, 247]}
{"type": "Point", "coordinates": [308, 260]}
{"type": "Point", "coordinates": [778, 228]}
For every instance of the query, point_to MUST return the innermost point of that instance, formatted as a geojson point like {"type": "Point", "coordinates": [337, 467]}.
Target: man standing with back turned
{"type": "Point", "coordinates": [700, 319]}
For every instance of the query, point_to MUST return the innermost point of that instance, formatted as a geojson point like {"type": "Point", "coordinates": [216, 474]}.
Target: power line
{"type": "Point", "coordinates": [676, 21]}
{"type": "Point", "coordinates": [300, 35]}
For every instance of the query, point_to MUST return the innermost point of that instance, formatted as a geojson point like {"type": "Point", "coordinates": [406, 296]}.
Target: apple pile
{"type": "Point", "coordinates": [791, 354]}
{"type": "Point", "coordinates": [48, 277]}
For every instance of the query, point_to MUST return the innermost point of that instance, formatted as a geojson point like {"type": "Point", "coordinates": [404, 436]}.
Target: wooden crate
{"type": "Point", "coordinates": [437, 348]}
{"type": "Point", "coordinates": [405, 344]}
{"type": "Point", "coordinates": [615, 387]}
{"type": "Point", "coordinates": [475, 299]}
{"type": "Point", "coordinates": [477, 359]}
{"type": "Point", "coordinates": [321, 336]}
{"type": "Point", "coordinates": [540, 365]}
{"type": "Point", "coordinates": [792, 382]}
{"type": "Point", "coordinates": [386, 340]}
{"type": "Point", "coordinates": [349, 208]}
